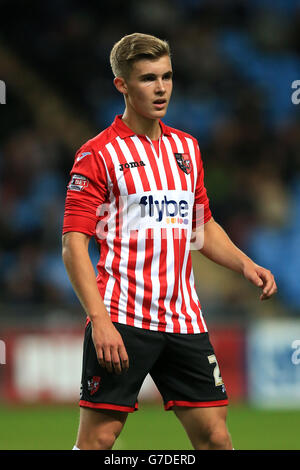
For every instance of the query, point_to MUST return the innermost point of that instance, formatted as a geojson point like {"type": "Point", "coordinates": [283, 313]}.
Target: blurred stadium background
{"type": "Point", "coordinates": [234, 62]}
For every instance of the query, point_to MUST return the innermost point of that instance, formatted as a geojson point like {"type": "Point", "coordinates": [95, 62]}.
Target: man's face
{"type": "Point", "coordinates": [149, 87]}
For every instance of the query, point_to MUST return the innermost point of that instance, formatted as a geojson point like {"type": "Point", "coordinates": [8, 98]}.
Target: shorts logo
{"type": "Point", "coordinates": [78, 183]}
{"type": "Point", "coordinates": [93, 384]}
{"type": "Point", "coordinates": [184, 162]}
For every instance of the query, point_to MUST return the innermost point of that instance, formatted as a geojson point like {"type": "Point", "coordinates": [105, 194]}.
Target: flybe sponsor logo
{"type": "Point", "coordinates": [170, 210]}
{"type": "Point", "coordinates": [134, 214]}
{"type": "Point", "coordinates": [162, 209]}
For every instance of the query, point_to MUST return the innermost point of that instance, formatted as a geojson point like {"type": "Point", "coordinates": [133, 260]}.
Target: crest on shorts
{"type": "Point", "coordinates": [93, 384]}
{"type": "Point", "coordinates": [184, 162]}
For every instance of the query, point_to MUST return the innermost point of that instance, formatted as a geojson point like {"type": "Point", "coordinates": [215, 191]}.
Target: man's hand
{"type": "Point", "coordinates": [262, 278]}
{"type": "Point", "coordinates": [110, 349]}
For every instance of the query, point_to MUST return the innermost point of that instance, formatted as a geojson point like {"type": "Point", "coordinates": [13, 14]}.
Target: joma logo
{"type": "Point", "coordinates": [131, 165]}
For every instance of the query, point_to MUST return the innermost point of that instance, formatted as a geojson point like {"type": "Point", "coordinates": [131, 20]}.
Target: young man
{"type": "Point", "coordinates": [137, 187]}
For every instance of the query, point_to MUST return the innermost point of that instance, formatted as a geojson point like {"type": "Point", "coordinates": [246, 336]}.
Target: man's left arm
{"type": "Point", "coordinates": [218, 247]}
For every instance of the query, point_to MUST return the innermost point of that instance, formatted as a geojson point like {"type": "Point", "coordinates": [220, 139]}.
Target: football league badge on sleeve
{"type": "Point", "coordinates": [184, 162]}
{"type": "Point", "coordinates": [78, 183]}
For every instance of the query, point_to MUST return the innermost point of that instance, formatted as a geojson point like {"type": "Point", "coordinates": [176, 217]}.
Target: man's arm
{"type": "Point", "coordinates": [218, 247]}
{"type": "Point", "coordinates": [108, 342]}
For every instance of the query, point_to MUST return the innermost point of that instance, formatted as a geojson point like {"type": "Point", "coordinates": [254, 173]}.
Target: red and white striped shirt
{"type": "Point", "coordinates": [138, 199]}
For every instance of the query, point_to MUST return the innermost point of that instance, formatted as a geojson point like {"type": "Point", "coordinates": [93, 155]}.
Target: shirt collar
{"type": "Point", "coordinates": [124, 131]}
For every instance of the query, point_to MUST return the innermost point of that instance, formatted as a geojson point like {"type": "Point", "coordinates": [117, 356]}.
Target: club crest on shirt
{"type": "Point", "coordinates": [93, 384]}
{"type": "Point", "coordinates": [78, 183]}
{"type": "Point", "coordinates": [184, 162]}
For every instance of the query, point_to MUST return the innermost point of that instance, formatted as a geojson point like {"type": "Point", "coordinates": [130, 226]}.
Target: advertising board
{"type": "Point", "coordinates": [273, 354]}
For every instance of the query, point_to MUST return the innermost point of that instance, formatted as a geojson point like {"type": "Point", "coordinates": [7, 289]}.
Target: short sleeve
{"type": "Point", "coordinates": [86, 191]}
{"type": "Point", "coordinates": [201, 210]}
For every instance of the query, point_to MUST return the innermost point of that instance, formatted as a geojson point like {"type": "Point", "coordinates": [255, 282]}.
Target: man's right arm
{"type": "Point", "coordinates": [110, 349]}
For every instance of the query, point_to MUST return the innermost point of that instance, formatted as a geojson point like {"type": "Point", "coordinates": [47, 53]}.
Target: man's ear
{"type": "Point", "coordinates": [120, 85]}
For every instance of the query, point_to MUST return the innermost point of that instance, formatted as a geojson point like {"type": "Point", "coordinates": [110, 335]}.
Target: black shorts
{"type": "Point", "coordinates": [183, 367]}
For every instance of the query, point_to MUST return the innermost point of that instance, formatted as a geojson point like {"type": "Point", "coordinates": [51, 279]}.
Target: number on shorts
{"type": "Point", "coordinates": [218, 379]}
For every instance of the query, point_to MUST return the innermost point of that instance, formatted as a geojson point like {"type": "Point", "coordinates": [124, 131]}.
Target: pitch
{"type": "Point", "coordinates": [151, 428]}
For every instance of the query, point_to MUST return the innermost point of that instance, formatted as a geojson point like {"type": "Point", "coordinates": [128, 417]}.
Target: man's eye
{"type": "Point", "coordinates": [148, 79]}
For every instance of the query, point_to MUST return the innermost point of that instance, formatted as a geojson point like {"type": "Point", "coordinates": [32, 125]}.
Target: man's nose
{"type": "Point", "coordinates": [160, 86]}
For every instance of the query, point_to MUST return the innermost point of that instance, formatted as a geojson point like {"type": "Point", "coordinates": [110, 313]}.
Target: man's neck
{"type": "Point", "coordinates": [143, 126]}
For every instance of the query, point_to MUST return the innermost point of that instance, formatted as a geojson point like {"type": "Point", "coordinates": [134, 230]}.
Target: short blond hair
{"type": "Point", "coordinates": [134, 47]}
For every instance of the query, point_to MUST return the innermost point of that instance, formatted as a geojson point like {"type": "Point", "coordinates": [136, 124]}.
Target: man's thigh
{"type": "Point", "coordinates": [101, 389]}
{"type": "Point", "coordinates": [187, 373]}
{"type": "Point", "coordinates": [204, 425]}
{"type": "Point", "coordinates": [200, 419]}
{"type": "Point", "coordinates": [99, 428]}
